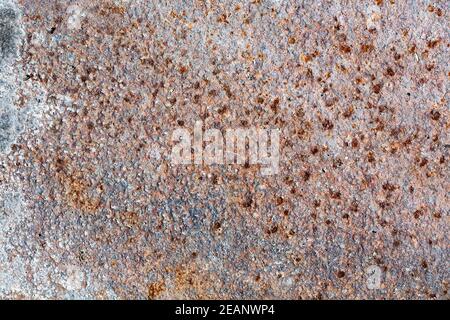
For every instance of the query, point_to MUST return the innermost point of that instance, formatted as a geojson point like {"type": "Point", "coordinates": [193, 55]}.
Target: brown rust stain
{"type": "Point", "coordinates": [75, 187]}
{"type": "Point", "coordinates": [155, 289]}
{"type": "Point", "coordinates": [76, 194]}
{"type": "Point", "coordinates": [110, 8]}
{"type": "Point", "coordinates": [190, 280]}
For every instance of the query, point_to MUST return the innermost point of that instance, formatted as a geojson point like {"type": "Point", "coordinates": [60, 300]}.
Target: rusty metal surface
{"type": "Point", "coordinates": [92, 207]}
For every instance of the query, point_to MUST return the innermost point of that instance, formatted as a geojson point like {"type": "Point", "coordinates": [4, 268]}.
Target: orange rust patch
{"type": "Point", "coordinates": [130, 219]}
{"type": "Point", "coordinates": [155, 289]}
{"type": "Point", "coordinates": [183, 69]}
{"type": "Point", "coordinates": [110, 8]}
{"type": "Point", "coordinates": [345, 48]}
{"type": "Point", "coordinates": [76, 193]}
{"type": "Point", "coordinates": [189, 278]}
{"type": "Point", "coordinates": [75, 188]}
{"type": "Point", "coordinates": [365, 48]}
{"type": "Point", "coordinates": [433, 43]}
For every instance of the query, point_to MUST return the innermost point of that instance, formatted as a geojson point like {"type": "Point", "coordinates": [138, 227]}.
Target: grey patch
{"type": "Point", "coordinates": [9, 128]}
{"type": "Point", "coordinates": [5, 121]}
{"type": "Point", "coordinates": [10, 38]}
{"type": "Point", "coordinates": [8, 33]}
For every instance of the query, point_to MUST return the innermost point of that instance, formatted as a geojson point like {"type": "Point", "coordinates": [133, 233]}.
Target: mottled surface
{"type": "Point", "coordinates": [91, 206]}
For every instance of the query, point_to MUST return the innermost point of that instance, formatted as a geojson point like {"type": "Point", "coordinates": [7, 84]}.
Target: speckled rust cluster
{"type": "Point", "coordinates": [359, 90]}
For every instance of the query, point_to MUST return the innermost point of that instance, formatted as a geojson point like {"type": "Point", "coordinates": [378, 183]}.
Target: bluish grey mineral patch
{"type": "Point", "coordinates": [10, 34]}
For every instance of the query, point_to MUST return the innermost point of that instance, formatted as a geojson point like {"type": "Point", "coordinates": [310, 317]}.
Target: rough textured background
{"type": "Point", "coordinates": [91, 207]}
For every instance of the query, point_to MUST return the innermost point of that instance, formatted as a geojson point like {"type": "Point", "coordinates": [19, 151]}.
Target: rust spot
{"type": "Point", "coordinates": [418, 213]}
{"type": "Point", "coordinates": [331, 102]}
{"type": "Point", "coordinates": [279, 201]}
{"type": "Point", "coordinates": [389, 187]}
{"type": "Point", "coordinates": [248, 201]}
{"type": "Point", "coordinates": [275, 105]}
{"type": "Point", "coordinates": [433, 43]}
{"type": "Point", "coordinates": [183, 69]}
{"type": "Point", "coordinates": [189, 278]}
{"type": "Point", "coordinates": [217, 227]}
{"type": "Point", "coordinates": [196, 98]}
{"type": "Point", "coordinates": [390, 72]}
{"type": "Point", "coordinates": [222, 19]}
{"type": "Point", "coordinates": [76, 193]}
{"type": "Point", "coordinates": [335, 195]}
{"type": "Point", "coordinates": [337, 163]}
{"type": "Point", "coordinates": [377, 88]}
{"type": "Point", "coordinates": [435, 115]}
{"type": "Point", "coordinates": [430, 67]}
{"type": "Point", "coordinates": [327, 124]}
{"type": "Point", "coordinates": [306, 58]}
{"type": "Point", "coordinates": [306, 175]}
{"type": "Point", "coordinates": [354, 206]}
{"type": "Point", "coordinates": [155, 289]}
{"type": "Point", "coordinates": [222, 110]}
{"type": "Point", "coordinates": [129, 218]}
{"type": "Point", "coordinates": [384, 204]}
{"type": "Point", "coordinates": [112, 9]}
{"type": "Point", "coordinates": [423, 162]}
{"type": "Point", "coordinates": [60, 165]}
{"type": "Point", "coordinates": [345, 48]}
{"type": "Point", "coordinates": [348, 112]}
{"type": "Point", "coordinates": [422, 81]}
{"type": "Point", "coordinates": [367, 48]}
{"type": "Point", "coordinates": [272, 230]}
